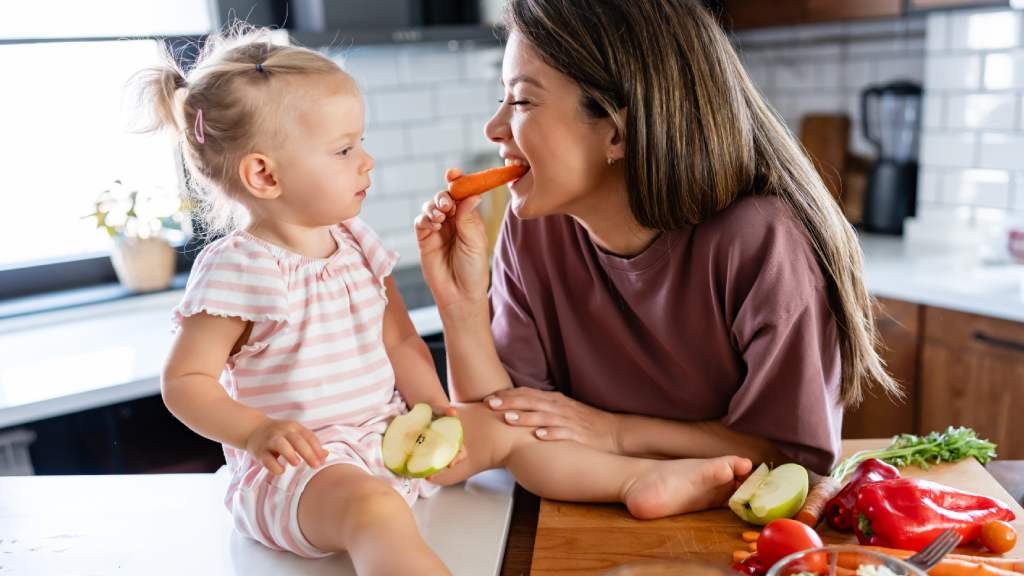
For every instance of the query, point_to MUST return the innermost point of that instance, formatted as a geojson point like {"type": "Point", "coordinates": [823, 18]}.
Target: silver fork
{"type": "Point", "coordinates": [933, 553]}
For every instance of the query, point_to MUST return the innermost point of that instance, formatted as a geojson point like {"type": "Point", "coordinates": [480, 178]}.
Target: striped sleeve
{"type": "Point", "coordinates": [235, 278]}
{"type": "Point", "coordinates": [381, 260]}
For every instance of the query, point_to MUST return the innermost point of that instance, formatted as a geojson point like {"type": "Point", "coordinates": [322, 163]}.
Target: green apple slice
{"type": "Point", "coordinates": [770, 494]}
{"type": "Point", "coordinates": [439, 445]}
{"type": "Point", "coordinates": [401, 436]}
{"type": "Point", "coordinates": [414, 446]}
{"type": "Point", "coordinates": [782, 493]}
{"type": "Point", "coordinates": [739, 502]}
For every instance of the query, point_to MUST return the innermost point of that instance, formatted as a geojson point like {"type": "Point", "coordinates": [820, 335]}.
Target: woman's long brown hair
{"type": "Point", "coordinates": [699, 135]}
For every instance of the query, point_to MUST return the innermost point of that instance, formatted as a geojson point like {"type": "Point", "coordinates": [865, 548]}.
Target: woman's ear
{"type": "Point", "coordinates": [257, 174]}
{"type": "Point", "coordinates": [617, 140]}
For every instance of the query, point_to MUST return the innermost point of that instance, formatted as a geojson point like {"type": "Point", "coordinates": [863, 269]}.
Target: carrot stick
{"type": "Point", "coordinates": [820, 494]}
{"type": "Point", "coordinates": [740, 555]}
{"type": "Point", "coordinates": [954, 567]}
{"type": "Point", "coordinates": [1012, 564]}
{"type": "Point", "coordinates": [750, 536]}
{"type": "Point", "coordinates": [465, 185]}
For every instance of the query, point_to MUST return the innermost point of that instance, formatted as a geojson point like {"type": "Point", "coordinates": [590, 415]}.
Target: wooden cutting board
{"type": "Point", "coordinates": [584, 539]}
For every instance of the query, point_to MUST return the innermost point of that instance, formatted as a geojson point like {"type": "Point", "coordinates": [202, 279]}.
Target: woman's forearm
{"type": "Point", "coordinates": [474, 369]}
{"type": "Point", "coordinates": [657, 438]}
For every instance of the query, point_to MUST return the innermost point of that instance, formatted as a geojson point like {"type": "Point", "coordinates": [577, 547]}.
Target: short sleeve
{"type": "Point", "coordinates": [515, 334]}
{"type": "Point", "coordinates": [790, 393]}
{"type": "Point", "coordinates": [235, 278]}
{"type": "Point", "coordinates": [381, 260]}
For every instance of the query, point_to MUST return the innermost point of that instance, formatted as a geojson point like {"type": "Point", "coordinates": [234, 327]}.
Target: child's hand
{"type": "Point", "coordinates": [275, 438]}
{"type": "Point", "coordinates": [449, 410]}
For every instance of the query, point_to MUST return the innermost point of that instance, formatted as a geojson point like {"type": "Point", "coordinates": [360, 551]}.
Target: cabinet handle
{"type": "Point", "coordinates": [998, 342]}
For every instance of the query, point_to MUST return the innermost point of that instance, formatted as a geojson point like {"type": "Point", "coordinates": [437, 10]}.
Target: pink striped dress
{"type": "Point", "coordinates": [315, 355]}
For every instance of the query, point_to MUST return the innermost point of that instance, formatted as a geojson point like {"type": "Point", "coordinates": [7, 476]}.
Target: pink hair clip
{"type": "Point", "coordinates": [198, 128]}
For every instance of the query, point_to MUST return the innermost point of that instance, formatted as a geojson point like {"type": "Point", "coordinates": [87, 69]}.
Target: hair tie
{"type": "Point", "coordinates": [198, 128]}
{"type": "Point", "coordinates": [259, 67]}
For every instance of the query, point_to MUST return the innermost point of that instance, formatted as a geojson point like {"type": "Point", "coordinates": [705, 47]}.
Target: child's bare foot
{"type": "Point", "coordinates": [672, 487]}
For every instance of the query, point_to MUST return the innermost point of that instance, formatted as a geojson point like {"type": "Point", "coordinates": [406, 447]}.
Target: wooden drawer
{"type": "Point", "coordinates": [974, 333]}
{"type": "Point", "coordinates": [972, 374]}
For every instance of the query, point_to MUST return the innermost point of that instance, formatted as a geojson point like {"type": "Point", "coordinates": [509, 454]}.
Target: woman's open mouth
{"type": "Point", "coordinates": [517, 162]}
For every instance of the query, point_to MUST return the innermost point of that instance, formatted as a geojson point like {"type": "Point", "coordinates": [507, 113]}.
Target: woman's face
{"type": "Point", "coordinates": [541, 122]}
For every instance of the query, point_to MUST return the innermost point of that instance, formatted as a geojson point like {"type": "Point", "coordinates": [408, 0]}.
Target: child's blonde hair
{"type": "Point", "coordinates": [225, 108]}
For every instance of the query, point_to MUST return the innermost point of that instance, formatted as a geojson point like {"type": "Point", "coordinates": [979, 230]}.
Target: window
{"type": "Point", "coordinates": [66, 118]}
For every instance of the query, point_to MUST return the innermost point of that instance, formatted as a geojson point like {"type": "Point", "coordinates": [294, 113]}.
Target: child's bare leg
{"type": "Point", "coordinates": [345, 509]}
{"type": "Point", "coordinates": [574, 472]}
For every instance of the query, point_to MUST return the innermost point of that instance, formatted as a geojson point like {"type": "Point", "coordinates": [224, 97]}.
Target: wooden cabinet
{"type": "Point", "coordinates": [741, 14]}
{"type": "Point", "coordinates": [899, 327]}
{"type": "Point", "coordinates": [972, 374]}
{"type": "Point", "coordinates": [828, 10]}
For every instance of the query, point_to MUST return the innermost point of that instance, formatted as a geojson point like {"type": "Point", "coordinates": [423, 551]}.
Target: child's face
{"type": "Point", "coordinates": [324, 171]}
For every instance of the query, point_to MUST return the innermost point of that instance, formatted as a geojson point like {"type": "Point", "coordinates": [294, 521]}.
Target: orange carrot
{"type": "Point", "coordinates": [953, 567]}
{"type": "Point", "coordinates": [752, 546]}
{"type": "Point", "coordinates": [740, 555]}
{"type": "Point", "coordinates": [462, 186]}
{"type": "Point", "coordinates": [818, 497]}
{"type": "Point", "coordinates": [1012, 564]}
{"type": "Point", "coordinates": [750, 536]}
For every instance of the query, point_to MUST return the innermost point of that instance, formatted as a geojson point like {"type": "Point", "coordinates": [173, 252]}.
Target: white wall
{"type": "Point", "coordinates": [822, 68]}
{"type": "Point", "coordinates": [426, 109]}
{"type": "Point", "coordinates": [972, 154]}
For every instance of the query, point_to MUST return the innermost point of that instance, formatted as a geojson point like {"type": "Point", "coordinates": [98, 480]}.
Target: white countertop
{"type": "Point", "coordinates": [72, 360]}
{"type": "Point", "coordinates": [894, 269]}
{"type": "Point", "coordinates": [177, 524]}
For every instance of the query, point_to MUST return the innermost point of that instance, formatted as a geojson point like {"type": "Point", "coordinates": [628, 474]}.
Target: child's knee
{"type": "Point", "coordinates": [370, 505]}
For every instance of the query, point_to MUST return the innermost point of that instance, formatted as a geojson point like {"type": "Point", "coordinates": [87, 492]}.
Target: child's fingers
{"type": "Point", "coordinates": [282, 446]}
{"type": "Point", "coordinates": [271, 464]}
{"type": "Point", "coordinates": [303, 448]}
{"type": "Point", "coordinates": [459, 457]}
{"type": "Point", "coordinates": [315, 443]}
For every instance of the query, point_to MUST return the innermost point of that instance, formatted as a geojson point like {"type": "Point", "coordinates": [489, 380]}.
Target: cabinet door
{"type": "Point", "coordinates": [741, 14]}
{"type": "Point", "coordinates": [878, 416]}
{"type": "Point", "coordinates": [828, 10]}
{"type": "Point", "coordinates": [972, 374]}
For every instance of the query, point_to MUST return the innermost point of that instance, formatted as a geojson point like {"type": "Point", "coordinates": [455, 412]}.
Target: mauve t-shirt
{"type": "Point", "coordinates": [726, 320]}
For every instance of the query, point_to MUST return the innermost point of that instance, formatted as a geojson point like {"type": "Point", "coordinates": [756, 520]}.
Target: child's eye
{"type": "Point", "coordinates": [344, 151]}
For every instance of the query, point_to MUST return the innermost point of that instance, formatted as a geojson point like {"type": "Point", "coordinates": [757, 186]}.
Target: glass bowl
{"type": "Point", "coordinates": [829, 557]}
{"type": "Point", "coordinates": [670, 568]}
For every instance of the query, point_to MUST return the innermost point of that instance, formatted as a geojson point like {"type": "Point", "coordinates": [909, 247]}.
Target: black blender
{"type": "Point", "coordinates": [891, 121]}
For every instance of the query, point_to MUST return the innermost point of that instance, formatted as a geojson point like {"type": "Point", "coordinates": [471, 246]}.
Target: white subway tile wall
{"type": "Point", "coordinates": [973, 141]}
{"type": "Point", "coordinates": [426, 110]}
{"type": "Point", "coordinates": [823, 68]}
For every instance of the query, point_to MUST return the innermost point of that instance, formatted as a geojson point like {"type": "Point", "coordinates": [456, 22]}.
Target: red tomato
{"type": "Point", "coordinates": [998, 536]}
{"type": "Point", "coordinates": [783, 537]}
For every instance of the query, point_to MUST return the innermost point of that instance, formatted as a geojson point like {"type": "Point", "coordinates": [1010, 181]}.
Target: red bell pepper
{"type": "Point", "coordinates": [839, 510]}
{"type": "Point", "coordinates": [908, 513]}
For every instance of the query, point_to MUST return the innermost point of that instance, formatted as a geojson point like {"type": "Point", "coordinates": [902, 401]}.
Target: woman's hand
{"type": "Point", "coordinates": [453, 250]}
{"type": "Point", "coordinates": [287, 438]}
{"type": "Point", "coordinates": [557, 417]}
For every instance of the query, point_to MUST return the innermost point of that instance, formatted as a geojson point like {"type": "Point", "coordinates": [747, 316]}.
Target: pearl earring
{"type": "Point", "coordinates": [611, 161]}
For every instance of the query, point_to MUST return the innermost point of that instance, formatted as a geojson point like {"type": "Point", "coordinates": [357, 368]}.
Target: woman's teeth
{"type": "Point", "coordinates": [515, 162]}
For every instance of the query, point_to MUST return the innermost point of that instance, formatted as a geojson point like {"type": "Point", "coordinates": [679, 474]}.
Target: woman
{"type": "Point", "coordinates": [673, 278]}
